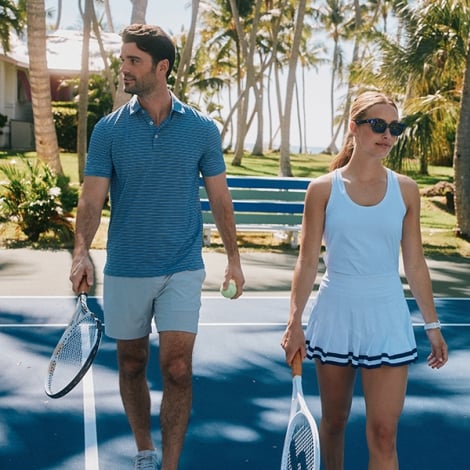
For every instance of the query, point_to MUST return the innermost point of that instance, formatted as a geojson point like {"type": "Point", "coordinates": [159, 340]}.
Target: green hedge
{"type": "Point", "coordinates": [66, 121]}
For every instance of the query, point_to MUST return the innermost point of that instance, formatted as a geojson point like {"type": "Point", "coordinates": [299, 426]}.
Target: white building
{"type": "Point", "coordinates": [64, 51]}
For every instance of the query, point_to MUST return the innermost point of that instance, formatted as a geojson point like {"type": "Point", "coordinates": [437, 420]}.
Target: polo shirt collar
{"type": "Point", "coordinates": [176, 106]}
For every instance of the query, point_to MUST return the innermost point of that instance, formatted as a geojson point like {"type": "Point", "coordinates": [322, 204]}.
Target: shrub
{"type": "Point", "coordinates": [32, 199]}
{"type": "Point", "coordinates": [3, 120]}
{"type": "Point", "coordinates": [65, 119]}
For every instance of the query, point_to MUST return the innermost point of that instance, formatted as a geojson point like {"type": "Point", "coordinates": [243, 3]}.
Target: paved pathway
{"type": "Point", "coordinates": [45, 272]}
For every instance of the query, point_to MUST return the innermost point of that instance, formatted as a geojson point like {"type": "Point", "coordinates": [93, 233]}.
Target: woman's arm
{"type": "Point", "coordinates": [417, 272]}
{"type": "Point", "coordinates": [306, 267]}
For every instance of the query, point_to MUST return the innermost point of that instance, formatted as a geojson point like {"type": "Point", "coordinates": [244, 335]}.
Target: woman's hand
{"type": "Point", "coordinates": [293, 340]}
{"type": "Point", "coordinates": [439, 351]}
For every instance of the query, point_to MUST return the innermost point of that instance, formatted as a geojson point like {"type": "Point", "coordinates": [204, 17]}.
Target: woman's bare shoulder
{"type": "Point", "coordinates": [320, 187]}
{"type": "Point", "coordinates": [322, 180]}
{"type": "Point", "coordinates": [407, 184]}
{"type": "Point", "coordinates": [409, 190]}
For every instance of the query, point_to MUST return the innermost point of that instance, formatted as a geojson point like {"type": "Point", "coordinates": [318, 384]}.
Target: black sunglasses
{"type": "Point", "coordinates": [379, 126]}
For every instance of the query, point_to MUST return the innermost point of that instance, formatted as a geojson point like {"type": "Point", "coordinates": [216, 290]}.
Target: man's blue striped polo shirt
{"type": "Point", "coordinates": [156, 222]}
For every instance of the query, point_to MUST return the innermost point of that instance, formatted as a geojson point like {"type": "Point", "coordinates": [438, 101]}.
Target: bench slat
{"type": "Point", "coordinates": [259, 219]}
{"type": "Point", "coordinates": [265, 182]}
{"type": "Point", "coordinates": [261, 204]}
{"type": "Point", "coordinates": [261, 194]}
{"type": "Point", "coordinates": [273, 207]}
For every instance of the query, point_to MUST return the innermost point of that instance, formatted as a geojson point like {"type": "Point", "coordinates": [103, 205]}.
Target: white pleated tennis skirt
{"type": "Point", "coordinates": [361, 321]}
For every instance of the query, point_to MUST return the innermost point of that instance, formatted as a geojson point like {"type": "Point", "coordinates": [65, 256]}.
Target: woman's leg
{"type": "Point", "coordinates": [384, 392]}
{"type": "Point", "coordinates": [336, 384]}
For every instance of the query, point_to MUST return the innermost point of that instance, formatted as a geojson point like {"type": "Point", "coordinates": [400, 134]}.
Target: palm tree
{"type": "Point", "coordinates": [185, 60]}
{"type": "Point", "coordinates": [44, 129]}
{"type": "Point", "coordinates": [234, 35]}
{"type": "Point", "coordinates": [139, 10]}
{"type": "Point", "coordinates": [58, 16]}
{"type": "Point", "coordinates": [430, 69]}
{"type": "Point", "coordinates": [11, 17]}
{"type": "Point", "coordinates": [284, 164]}
{"type": "Point", "coordinates": [245, 53]}
{"type": "Point", "coordinates": [109, 16]}
{"type": "Point", "coordinates": [462, 157]}
{"type": "Point", "coordinates": [83, 89]}
{"type": "Point", "coordinates": [333, 16]}
{"type": "Point", "coordinates": [423, 70]}
{"type": "Point", "coordinates": [434, 60]}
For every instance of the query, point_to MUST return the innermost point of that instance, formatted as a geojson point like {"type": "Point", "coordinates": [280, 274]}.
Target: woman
{"type": "Point", "coordinates": [364, 213]}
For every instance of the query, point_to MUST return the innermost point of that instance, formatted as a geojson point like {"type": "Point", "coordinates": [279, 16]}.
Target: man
{"type": "Point", "coordinates": [150, 153]}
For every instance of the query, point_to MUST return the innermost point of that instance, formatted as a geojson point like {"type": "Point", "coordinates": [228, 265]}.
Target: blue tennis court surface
{"type": "Point", "coordinates": [242, 392]}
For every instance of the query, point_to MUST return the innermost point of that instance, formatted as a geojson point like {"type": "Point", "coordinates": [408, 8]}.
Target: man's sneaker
{"type": "Point", "coordinates": [147, 460]}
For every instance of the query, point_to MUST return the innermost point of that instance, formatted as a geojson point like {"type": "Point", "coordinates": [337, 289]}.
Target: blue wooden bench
{"type": "Point", "coordinates": [262, 204]}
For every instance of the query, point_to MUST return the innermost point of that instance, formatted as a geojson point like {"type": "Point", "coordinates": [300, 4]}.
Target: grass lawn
{"type": "Point", "coordinates": [438, 224]}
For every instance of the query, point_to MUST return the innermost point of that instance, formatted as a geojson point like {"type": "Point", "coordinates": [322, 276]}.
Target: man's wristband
{"type": "Point", "coordinates": [432, 326]}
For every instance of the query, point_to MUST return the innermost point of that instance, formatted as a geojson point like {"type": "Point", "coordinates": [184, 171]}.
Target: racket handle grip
{"type": "Point", "coordinates": [297, 364]}
{"type": "Point", "coordinates": [83, 287]}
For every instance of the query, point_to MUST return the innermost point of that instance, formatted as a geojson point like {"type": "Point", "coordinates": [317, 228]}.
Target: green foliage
{"type": "Point", "coordinates": [66, 121]}
{"type": "Point", "coordinates": [423, 67]}
{"type": "Point", "coordinates": [34, 198]}
{"type": "Point", "coordinates": [3, 120]}
{"type": "Point", "coordinates": [12, 17]}
{"type": "Point", "coordinates": [100, 103]}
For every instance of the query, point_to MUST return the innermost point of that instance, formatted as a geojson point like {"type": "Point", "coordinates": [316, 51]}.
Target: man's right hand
{"type": "Point", "coordinates": [82, 268]}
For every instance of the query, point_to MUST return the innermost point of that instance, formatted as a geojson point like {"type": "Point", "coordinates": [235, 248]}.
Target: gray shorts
{"type": "Point", "coordinates": [131, 303]}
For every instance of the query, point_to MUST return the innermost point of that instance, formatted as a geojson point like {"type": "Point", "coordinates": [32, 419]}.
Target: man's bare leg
{"type": "Point", "coordinates": [132, 360]}
{"type": "Point", "coordinates": [176, 350]}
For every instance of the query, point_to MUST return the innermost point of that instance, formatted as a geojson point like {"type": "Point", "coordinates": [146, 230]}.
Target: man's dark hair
{"type": "Point", "coordinates": [153, 40]}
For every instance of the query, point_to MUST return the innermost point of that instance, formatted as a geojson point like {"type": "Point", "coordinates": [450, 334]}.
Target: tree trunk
{"type": "Point", "coordinates": [109, 16]}
{"type": "Point", "coordinates": [45, 135]}
{"type": "Point", "coordinates": [83, 90]}
{"type": "Point", "coordinates": [104, 55]}
{"type": "Point", "coordinates": [139, 10]}
{"type": "Point", "coordinates": [248, 51]}
{"type": "Point", "coordinates": [462, 158]}
{"type": "Point", "coordinates": [285, 167]}
{"type": "Point", "coordinates": [258, 148]}
{"type": "Point", "coordinates": [185, 61]}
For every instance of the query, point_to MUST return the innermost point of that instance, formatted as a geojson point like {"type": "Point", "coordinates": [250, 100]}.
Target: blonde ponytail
{"type": "Point", "coordinates": [344, 155]}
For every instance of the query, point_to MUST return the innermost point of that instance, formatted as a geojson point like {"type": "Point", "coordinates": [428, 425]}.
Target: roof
{"type": "Point", "coordinates": [64, 51]}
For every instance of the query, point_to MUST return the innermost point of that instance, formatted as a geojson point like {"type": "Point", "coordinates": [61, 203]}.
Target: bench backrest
{"type": "Point", "coordinates": [262, 200]}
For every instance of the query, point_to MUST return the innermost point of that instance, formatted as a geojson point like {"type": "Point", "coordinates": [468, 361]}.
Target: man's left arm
{"type": "Point", "coordinates": [222, 211]}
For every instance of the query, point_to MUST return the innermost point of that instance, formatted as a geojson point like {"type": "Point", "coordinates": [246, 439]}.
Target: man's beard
{"type": "Point", "coordinates": [140, 87]}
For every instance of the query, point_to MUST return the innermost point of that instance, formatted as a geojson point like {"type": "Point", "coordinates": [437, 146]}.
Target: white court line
{"type": "Point", "coordinates": [89, 421]}
{"type": "Point", "coordinates": [33, 325]}
{"type": "Point", "coordinates": [304, 324]}
{"type": "Point", "coordinates": [89, 409]}
{"type": "Point", "coordinates": [247, 295]}
{"type": "Point", "coordinates": [56, 325]}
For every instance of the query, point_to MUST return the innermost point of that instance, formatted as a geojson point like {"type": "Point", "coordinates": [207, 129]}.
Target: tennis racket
{"type": "Point", "coordinates": [301, 445]}
{"type": "Point", "coordinates": [76, 349]}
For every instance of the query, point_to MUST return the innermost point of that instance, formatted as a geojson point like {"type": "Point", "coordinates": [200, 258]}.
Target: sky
{"type": "Point", "coordinates": [175, 15]}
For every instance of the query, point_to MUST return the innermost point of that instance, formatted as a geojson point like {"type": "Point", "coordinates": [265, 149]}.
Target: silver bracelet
{"type": "Point", "coordinates": [432, 326]}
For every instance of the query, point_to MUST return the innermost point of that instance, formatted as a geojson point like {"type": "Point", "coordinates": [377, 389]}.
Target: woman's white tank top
{"type": "Point", "coordinates": [363, 239]}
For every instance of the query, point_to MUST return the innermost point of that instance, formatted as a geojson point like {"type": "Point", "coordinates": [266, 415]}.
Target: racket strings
{"type": "Point", "coordinates": [72, 352]}
{"type": "Point", "coordinates": [302, 448]}
{"type": "Point", "coordinates": [74, 349]}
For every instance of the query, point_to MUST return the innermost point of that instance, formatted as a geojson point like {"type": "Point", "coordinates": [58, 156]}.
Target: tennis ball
{"type": "Point", "coordinates": [230, 291]}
